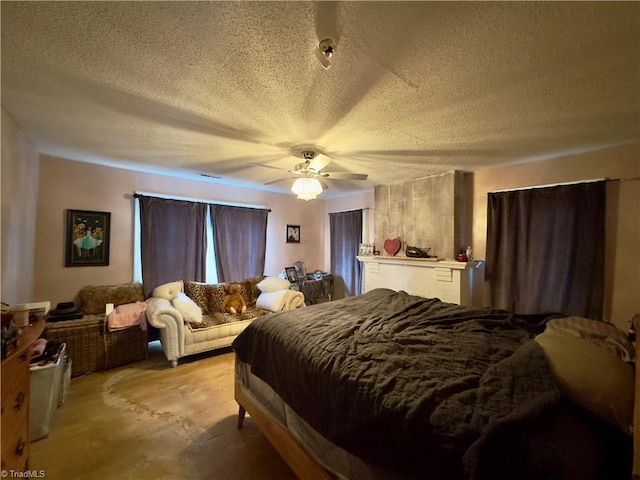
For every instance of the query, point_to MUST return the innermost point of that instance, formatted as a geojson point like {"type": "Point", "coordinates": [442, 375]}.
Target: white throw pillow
{"type": "Point", "coordinates": [273, 301]}
{"type": "Point", "coordinates": [190, 311]}
{"type": "Point", "coordinates": [168, 290]}
{"type": "Point", "coordinates": [273, 284]}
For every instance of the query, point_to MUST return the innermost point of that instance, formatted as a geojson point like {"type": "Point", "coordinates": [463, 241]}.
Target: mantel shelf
{"type": "Point", "coordinates": [420, 262]}
{"type": "Point", "coordinates": [448, 280]}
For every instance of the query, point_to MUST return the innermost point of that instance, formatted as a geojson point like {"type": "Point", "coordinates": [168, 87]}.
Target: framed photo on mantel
{"type": "Point", "coordinates": [87, 238]}
{"type": "Point", "coordinates": [292, 275]}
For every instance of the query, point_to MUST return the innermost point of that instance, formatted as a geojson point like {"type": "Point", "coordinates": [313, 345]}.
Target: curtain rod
{"type": "Point", "coordinates": [198, 200]}
{"type": "Point", "coordinates": [351, 210]}
{"type": "Point", "coordinates": [630, 179]}
{"type": "Point", "coordinates": [555, 184]}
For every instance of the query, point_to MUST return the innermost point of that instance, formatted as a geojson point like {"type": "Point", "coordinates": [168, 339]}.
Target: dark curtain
{"type": "Point", "coordinates": [346, 235]}
{"type": "Point", "coordinates": [240, 240]}
{"type": "Point", "coordinates": [173, 241]}
{"type": "Point", "coordinates": [545, 249]}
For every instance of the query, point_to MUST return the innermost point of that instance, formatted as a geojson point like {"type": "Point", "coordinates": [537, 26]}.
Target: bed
{"type": "Point", "coordinates": [394, 386]}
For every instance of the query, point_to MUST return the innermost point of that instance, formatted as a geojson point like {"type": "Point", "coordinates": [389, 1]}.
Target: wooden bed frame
{"type": "Point", "coordinates": [307, 467]}
{"type": "Point", "coordinates": [296, 456]}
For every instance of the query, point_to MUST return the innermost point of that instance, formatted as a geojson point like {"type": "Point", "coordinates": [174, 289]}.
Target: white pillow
{"type": "Point", "coordinates": [273, 284]}
{"type": "Point", "coordinates": [273, 301]}
{"type": "Point", "coordinates": [168, 290]}
{"type": "Point", "coordinates": [190, 311]}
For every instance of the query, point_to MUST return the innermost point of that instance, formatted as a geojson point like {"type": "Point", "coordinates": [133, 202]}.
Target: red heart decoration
{"type": "Point", "coordinates": [392, 246]}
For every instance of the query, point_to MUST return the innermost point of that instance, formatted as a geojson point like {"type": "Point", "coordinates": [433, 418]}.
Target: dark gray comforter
{"type": "Point", "coordinates": [422, 387]}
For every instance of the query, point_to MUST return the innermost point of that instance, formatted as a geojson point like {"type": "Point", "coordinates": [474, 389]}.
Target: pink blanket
{"type": "Point", "coordinates": [128, 315]}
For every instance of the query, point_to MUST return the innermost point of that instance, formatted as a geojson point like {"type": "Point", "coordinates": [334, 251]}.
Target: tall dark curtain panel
{"type": "Point", "coordinates": [346, 235]}
{"type": "Point", "coordinates": [545, 249]}
{"type": "Point", "coordinates": [240, 241]}
{"type": "Point", "coordinates": [173, 241]}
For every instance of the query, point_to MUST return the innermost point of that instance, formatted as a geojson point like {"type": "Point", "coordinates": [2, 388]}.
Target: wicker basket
{"type": "Point", "coordinates": [92, 347]}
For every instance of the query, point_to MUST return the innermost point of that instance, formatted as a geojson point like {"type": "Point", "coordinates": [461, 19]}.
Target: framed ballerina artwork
{"type": "Point", "coordinates": [87, 239]}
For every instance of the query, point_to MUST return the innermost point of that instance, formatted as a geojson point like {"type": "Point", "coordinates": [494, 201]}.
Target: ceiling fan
{"type": "Point", "coordinates": [308, 175]}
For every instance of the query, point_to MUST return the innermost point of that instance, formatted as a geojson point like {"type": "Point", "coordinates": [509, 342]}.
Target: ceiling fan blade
{"type": "Point", "coordinates": [280, 180]}
{"type": "Point", "coordinates": [346, 176]}
{"type": "Point", "coordinates": [327, 24]}
{"type": "Point", "coordinates": [319, 162]}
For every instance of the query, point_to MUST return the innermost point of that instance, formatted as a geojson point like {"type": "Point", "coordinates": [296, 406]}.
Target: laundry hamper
{"type": "Point", "coordinates": [46, 385]}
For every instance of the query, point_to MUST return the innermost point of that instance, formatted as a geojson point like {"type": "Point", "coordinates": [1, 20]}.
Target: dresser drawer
{"type": "Point", "coordinates": [15, 377]}
{"type": "Point", "coordinates": [15, 438]}
{"type": "Point", "coordinates": [15, 411]}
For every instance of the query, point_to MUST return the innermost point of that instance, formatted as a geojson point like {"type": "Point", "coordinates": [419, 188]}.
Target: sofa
{"type": "Point", "coordinates": [189, 314]}
{"type": "Point", "coordinates": [92, 343]}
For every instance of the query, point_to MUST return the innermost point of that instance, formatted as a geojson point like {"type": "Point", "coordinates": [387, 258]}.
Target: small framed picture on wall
{"type": "Point", "coordinates": [293, 233]}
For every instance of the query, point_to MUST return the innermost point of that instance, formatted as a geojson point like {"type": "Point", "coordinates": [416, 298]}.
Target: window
{"type": "Point", "coordinates": [211, 273]}
{"type": "Point", "coordinates": [545, 249]}
{"type": "Point", "coordinates": [175, 239]}
{"type": "Point", "coordinates": [346, 235]}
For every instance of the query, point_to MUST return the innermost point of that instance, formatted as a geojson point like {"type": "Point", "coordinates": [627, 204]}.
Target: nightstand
{"type": "Point", "coordinates": [315, 289]}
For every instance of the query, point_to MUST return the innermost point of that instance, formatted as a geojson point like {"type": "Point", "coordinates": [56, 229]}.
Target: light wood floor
{"type": "Point", "coordinates": [147, 420]}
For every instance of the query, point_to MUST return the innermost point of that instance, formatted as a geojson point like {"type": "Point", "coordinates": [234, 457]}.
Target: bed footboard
{"type": "Point", "coordinates": [300, 461]}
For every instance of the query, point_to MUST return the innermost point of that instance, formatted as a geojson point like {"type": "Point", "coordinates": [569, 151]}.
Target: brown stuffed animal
{"type": "Point", "coordinates": [233, 301]}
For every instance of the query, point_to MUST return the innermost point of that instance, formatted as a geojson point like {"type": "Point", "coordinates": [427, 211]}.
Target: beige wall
{"type": "Point", "coordinates": [622, 261]}
{"type": "Point", "coordinates": [66, 184]}
{"type": "Point", "coordinates": [19, 186]}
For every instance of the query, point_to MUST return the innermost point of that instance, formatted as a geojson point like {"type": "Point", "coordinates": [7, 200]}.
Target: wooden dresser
{"type": "Point", "coordinates": [15, 400]}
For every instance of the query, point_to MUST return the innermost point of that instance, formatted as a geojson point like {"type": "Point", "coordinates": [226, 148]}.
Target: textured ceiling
{"type": "Point", "coordinates": [415, 88]}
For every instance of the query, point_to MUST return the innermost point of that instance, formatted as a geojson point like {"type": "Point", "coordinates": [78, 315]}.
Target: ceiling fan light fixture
{"type": "Point", "coordinates": [306, 188]}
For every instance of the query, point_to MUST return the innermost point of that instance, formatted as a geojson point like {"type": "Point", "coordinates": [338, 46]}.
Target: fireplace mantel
{"type": "Point", "coordinates": [450, 281]}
